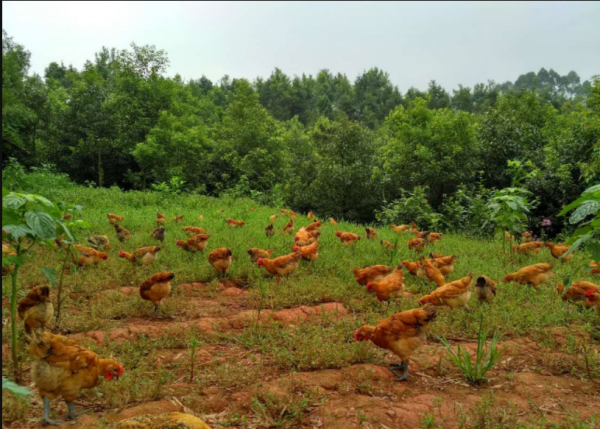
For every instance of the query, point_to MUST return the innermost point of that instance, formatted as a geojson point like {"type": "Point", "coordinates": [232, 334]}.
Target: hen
{"type": "Point", "coordinates": [159, 234]}
{"type": "Point", "coordinates": [191, 231]}
{"type": "Point", "coordinates": [371, 274]}
{"type": "Point", "coordinates": [144, 256]}
{"type": "Point", "coordinates": [233, 223]}
{"type": "Point", "coordinates": [414, 268]}
{"type": "Point", "coordinates": [178, 219]}
{"type": "Point", "coordinates": [371, 233]}
{"type": "Point", "coordinates": [99, 242]}
{"type": "Point", "coordinates": [164, 421]}
{"type": "Point", "coordinates": [195, 244]}
{"type": "Point", "coordinates": [389, 286]}
{"type": "Point", "coordinates": [61, 368]}
{"type": "Point", "coordinates": [414, 229]}
{"type": "Point", "coordinates": [526, 237]}
{"type": "Point", "coordinates": [418, 244]}
{"type": "Point", "coordinates": [435, 237]}
{"type": "Point", "coordinates": [534, 275]}
{"type": "Point", "coordinates": [86, 256]}
{"type": "Point", "coordinates": [444, 263]}
{"type": "Point", "coordinates": [347, 238]}
{"type": "Point", "coordinates": [221, 259]}
{"type": "Point", "coordinates": [304, 237]}
{"type": "Point", "coordinates": [256, 253]}
{"type": "Point", "coordinates": [309, 253]}
{"type": "Point", "coordinates": [580, 293]}
{"type": "Point", "coordinates": [432, 273]}
{"type": "Point", "coordinates": [388, 246]}
{"type": "Point", "coordinates": [454, 295]}
{"type": "Point", "coordinates": [315, 226]}
{"type": "Point", "coordinates": [122, 234]}
{"type": "Point", "coordinates": [36, 309]}
{"type": "Point", "coordinates": [282, 266]}
{"type": "Point", "coordinates": [332, 221]}
{"type": "Point", "coordinates": [273, 218]}
{"type": "Point", "coordinates": [558, 250]}
{"type": "Point", "coordinates": [310, 215]}
{"type": "Point", "coordinates": [270, 230]}
{"type": "Point", "coordinates": [161, 219]}
{"type": "Point", "coordinates": [529, 248]}
{"type": "Point", "coordinates": [485, 289]}
{"type": "Point", "coordinates": [157, 288]}
{"type": "Point", "coordinates": [289, 227]}
{"type": "Point", "coordinates": [402, 334]}
{"type": "Point", "coordinates": [114, 219]}
{"type": "Point", "coordinates": [399, 229]}
{"type": "Point", "coordinates": [595, 268]}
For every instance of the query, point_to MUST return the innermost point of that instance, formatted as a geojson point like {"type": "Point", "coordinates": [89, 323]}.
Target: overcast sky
{"type": "Point", "coordinates": [415, 42]}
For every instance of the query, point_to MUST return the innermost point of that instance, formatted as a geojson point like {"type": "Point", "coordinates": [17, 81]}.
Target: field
{"type": "Point", "coordinates": [281, 354]}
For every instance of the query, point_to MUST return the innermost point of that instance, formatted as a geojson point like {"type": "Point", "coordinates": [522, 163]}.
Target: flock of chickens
{"type": "Point", "coordinates": [62, 368]}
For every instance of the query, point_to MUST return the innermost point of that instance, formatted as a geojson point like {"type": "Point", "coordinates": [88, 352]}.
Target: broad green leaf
{"type": "Point", "coordinates": [594, 249]}
{"type": "Point", "coordinates": [574, 204]}
{"type": "Point", "coordinates": [10, 217]}
{"type": "Point", "coordinates": [15, 388]}
{"type": "Point", "coordinates": [583, 211]}
{"type": "Point", "coordinates": [16, 260]}
{"type": "Point", "coordinates": [591, 190]}
{"type": "Point", "coordinates": [13, 201]}
{"type": "Point", "coordinates": [17, 231]}
{"type": "Point", "coordinates": [42, 224]}
{"type": "Point", "coordinates": [50, 274]}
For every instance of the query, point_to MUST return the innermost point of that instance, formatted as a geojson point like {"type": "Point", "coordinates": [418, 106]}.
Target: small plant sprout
{"type": "Point", "coordinates": [194, 343]}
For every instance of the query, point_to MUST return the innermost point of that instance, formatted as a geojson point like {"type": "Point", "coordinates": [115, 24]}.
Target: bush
{"type": "Point", "coordinates": [411, 207]}
{"type": "Point", "coordinates": [466, 210]}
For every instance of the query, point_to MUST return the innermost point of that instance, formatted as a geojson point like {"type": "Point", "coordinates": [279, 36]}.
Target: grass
{"type": "Point", "coordinates": [517, 311]}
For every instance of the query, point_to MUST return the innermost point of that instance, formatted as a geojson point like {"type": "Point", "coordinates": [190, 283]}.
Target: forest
{"type": "Point", "coordinates": [356, 150]}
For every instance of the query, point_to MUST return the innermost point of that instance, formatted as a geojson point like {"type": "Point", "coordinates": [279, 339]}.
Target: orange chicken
{"type": "Point", "coordinates": [293, 215]}
{"type": "Point", "coordinates": [485, 289]}
{"type": "Point", "coordinates": [595, 268]}
{"type": "Point", "coordinates": [86, 256]}
{"type": "Point", "coordinates": [36, 309]}
{"type": "Point", "coordinates": [508, 236]}
{"type": "Point", "coordinates": [528, 248]}
{"type": "Point", "coordinates": [418, 244]}
{"type": "Point", "coordinates": [401, 334]}
{"type": "Point", "coordinates": [289, 227]}
{"type": "Point", "coordinates": [114, 219]}
{"type": "Point", "coordinates": [282, 266]}
{"type": "Point", "coordinates": [432, 273]}
{"type": "Point", "coordinates": [413, 228]}
{"type": "Point", "coordinates": [389, 286]}
{"type": "Point", "coordinates": [315, 226]}
{"type": "Point", "coordinates": [558, 250]}
{"type": "Point", "coordinates": [371, 233]}
{"type": "Point", "coordinates": [434, 237]}
{"type": "Point", "coordinates": [455, 294]}
{"type": "Point", "coordinates": [332, 221]}
{"type": "Point", "coordinates": [526, 237]}
{"type": "Point", "coordinates": [61, 369]}
{"type": "Point", "coordinates": [233, 223]}
{"type": "Point", "coordinates": [178, 219]}
{"type": "Point", "coordinates": [304, 237]}
{"type": "Point", "coordinates": [270, 230]}
{"type": "Point", "coordinates": [371, 274]}
{"type": "Point", "coordinates": [191, 231]}
{"type": "Point", "coordinates": [256, 253]}
{"type": "Point", "coordinates": [444, 263]}
{"type": "Point", "coordinates": [163, 421]}
{"type": "Point", "coordinates": [99, 242]}
{"type": "Point", "coordinates": [284, 211]}
{"type": "Point", "coordinates": [273, 218]}
{"type": "Point", "coordinates": [347, 238]}
{"type": "Point", "coordinates": [534, 275]}
{"type": "Point", "coordinates": [388, 246]}
{"type": "Point", "coordinates": [201, 217]}
{"type": "Point", "coordinates": [310, 216]}
{"type": "Point", "coordinates": [161, 219]}
{"type": "Point", "coordinates": [144, 256]}
{"type": "Point", "coordinates": [399, 229]}
{"type": "Point", "coordinates": [122, 234]}
{"type": "Point", "coordinates": [414, 268]}
{"type": "Point", "coordinates": [309, 253]}
{"type": "Point", "coordinates": [195, 244]}
{"type": "Point", "coordinates": [157, 288]}
{"type": "Point", "coordinates": [221, 259]}
{"type": "Point", "coordinates": [579, 293]}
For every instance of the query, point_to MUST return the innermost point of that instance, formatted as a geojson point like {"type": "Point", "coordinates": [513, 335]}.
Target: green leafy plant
{"type": "Point", "coordinates": [485, 359]}
{"type": "Point", "coordinates": [586, 214]}
{"type": "Point", "coordinates": [175, 186]}
{"type": "Point", "coordinates": [28, 220]}
{"type": "Point", "coordinates": [194, 343]}
{"type": "Point", "coordinates": [412, 206]}
{"type": "Point", "coordinates": [14, 388]}
{"type": "Point", "coordinates": [522, 171]}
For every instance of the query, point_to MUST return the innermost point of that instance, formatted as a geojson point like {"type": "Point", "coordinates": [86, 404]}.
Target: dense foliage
{"type": "Point", "coordinates": [340, 148]}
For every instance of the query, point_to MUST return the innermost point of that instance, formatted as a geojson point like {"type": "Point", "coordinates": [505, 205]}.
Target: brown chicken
{"type": "Point", "coordinates": [433, 255]}
{"type": "Point", "coordinates": [144, 256]}
{"type": "Point", "coordinates": [233, 223]}
{"type": "Point", "coordinates": [315, 226]}
{"type": "Point", "coordinates": [293, 215]}
{"type": "Point", "coordinates": [157, 288]}
{"type": "Point", "coordinates": [164, 421]}
{"type": "Point", "coordinates": [289, 227]}
{"type": "Point", "coordinates": [191, 231]}
{"type": "Point", "coordinates": [595, 268]}
{"type": "Point", "coordinates": [529, 248]}
{"type": "Point", "coordinates": [414, 229]}
{"type": "Point", "coordinates": [485, 289]}
{"type": "Point", "coordinates": [418, 244]}
{"type": "Point", "coordinates": [309, 253]}
{"type": "Point", "coordinates": [444, 263]}
{"type": "Point", "coordinates": [256, 253]}
{"type": "Point", "coordinates": [67, 216]}
{"type": "Point", "coordinates": [371, 233]}
{"type": "Point", "coordinates": [399, 229]}
{"type": "Point", "coordinates": [178, 219]}
{"type": "Point", "coordinates": [304, 237]}
{"type": "Point", "coordinates": [36, 309]}
{"type": "Point", "coordinates": [414, 268]}
{"type": "Point", "coordinates": [558, 250]}
{"type": "Point", "coordinates": [273, 218]}
{"type": "Point", "coordinates": [508, 236]}
{"type": "Point", "coordinates": [221, 259]}
{"type": "Point", "coordinates": [435, 237]}
{"type": "Point", "coordinates": [310, 216]}
{"type": "Point", "coordinates": [388, 246]}
{"type": "Point", "coordinates": [390, 286]}
{"type": "Point", "coordinates": [455, 294]}
{"type": "Point", "coordinates": [270, 230]}
{"type": "Point", "coordinates": [284, 211]}
{"type": "Point", "coordinates": [594, 298]}
{"type": "Point", "coordinates": [402, 334]}
{"type": "Point", "coordinates": [332, 221]}
{"type": "Point", "coordinates": [433, 273]}
{"type": "Point", "coordinates": [526, 237]}
{"type": "Point", "coordinates": [86, 256]}
{"type": "Point", "coordinates": [579, 293]}
{"type": "Point", "coordinates": [99, 242]}
{"type": "Point", "coordinates": [114, 219]}
{"type": "Point", "coordinates": [201, 217]}
{"type": "Point", "coordinates": [371, 274]}
{"type": "Point", "coordinates": [195, 244]}
{"type": "Point", "coordinates": [159, 234]}
{"type": "Point", "coordinates": [122, 234]}
{"type": "Point", "coordinates": [161, 219]}
{"type": "Point", "coordinates": [61, 368]}
{"type": "Point", "coordinates": [282, 266]}
{"type": "Point", "coordinates": [534, 275]}
{"type": "Point", "coordinates": [347, 238]}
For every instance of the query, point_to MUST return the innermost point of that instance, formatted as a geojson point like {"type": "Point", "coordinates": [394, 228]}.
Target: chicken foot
{"type": "Point", "coordinates": [46, 420]}
{"type": "Point", "coordinates": [402, 366]}
{"type": "Point", "coordinates": [73, 415]}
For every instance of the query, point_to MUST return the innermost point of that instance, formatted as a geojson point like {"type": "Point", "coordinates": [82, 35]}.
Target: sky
{"type": "Point", "coordinates": [415, 42]}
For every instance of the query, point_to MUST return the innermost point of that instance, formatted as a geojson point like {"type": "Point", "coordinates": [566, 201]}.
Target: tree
{"type": "Point", "coordinates": [375, 97]}
{"type": "Point", "coordinates": [438, 97]}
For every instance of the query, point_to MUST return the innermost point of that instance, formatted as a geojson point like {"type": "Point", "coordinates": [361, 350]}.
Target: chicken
{"type": "Point", "coordinates": [445, 263]}
{"type": "Point", "coordinates": [455, 294]}
{"type": "Point", "coordinates": [304, 237]}
{"type": "Point", "coordinates": [529, 248]}
{"type": "Point", "coordinates": [164, 421]}
{"type": "Point", "coordinates": [485, 289]}
{"type": "Point", "coordinates": [256, 253]}
{"type": "Point", "coordinates": [282, 266]}
{"type": "Point", "coordinates": [414, 268]}
{"type": "Point", "coordinates": [594, 298]}
{"type": "Point", "coordinates": [67, 216]}
{"type": "Point", "coordinates": [144, 256]}
{"type": "Point", "coordinates": [270, 230]}
{"type": "Point", "coordinates": [371, 274]}
{"type": "Point", "coordinates": [284, 211]}
{"type": "Point", "coordinates": [402, 334]}
{"type": "Point", "coordinates": [36, 309]}
{"type": "Point", "coordinates": [526, 237]}
{"type": "Point", "coordinates": [332, 221]}
{"type": "Point", "coordinates": [159, 234]}
{"type": "Point", "coordinates": [418, 244]}
{"type": "Point", "coordinates": [389, 286]}
{"type": "Point", "coordinates": [221, 259]}
{"type": "Point", "coordinates": [534, 275]}
{"type": "Point", "coordinates": [413, 228]}
{"type": "Point", "coordinates": [233, 223]}
{"type": "Point", "coordinates": [289, 227]}
{"type": "Point", "coordinates": [161, 219]}
{"type": "Point", "coordinates": [315, 226]}
{"type": "Point", "coordinates": [195, 244]}
{"type": "Point", "coordinates": [157, 288]}
{"type": "Point", "coordinates": [273, 218]}
{"type": "Point", "coordinates": [433, 273]}
{"type": "Point", "coordinates": [399, 229]}
{"type": "Point", "coordinates": [558, 250]}
{"type": "Point", "coordinates": [347, 238]}
{"type": "Point", "coordinates": [595, 267]}
{"type": "Point", "coordinates": [293, 215]}
{"type": "Point", "coordinates": [201, 217]}
{"type": "Point", "coordinates": [310, 216]}
{"type": "Point", "coordinates": [99, 242]}
{"type": "Point", "coordinates": [61, 369]}
{"type": "Point", "coordinates": [86, 256]}
{"type": "Point", "coordinates": [434, 255]}
{"type": "Point", "coordinates": [122, 234]}
{"type": "Point", "coordinates": [191, 231]}
{"type": "Point", "coordinates": [309, 253]}
{"type": "Point", "coordinates": [371, 233]}
{"type": "Point", "coordinates": [579, 293]}
{"type": "Point", "coordinates": [388, 246]}
{"type": "Point", "coordinates": [6, 252]}
{"type": "Point", "coordinates": [178, 219]}
{"type": "Point", "coordinates": [508, 236]}
{"type": "Point", "coordinates": [114, 219]}
{"type": "Point", "coordinates": [434, 237]}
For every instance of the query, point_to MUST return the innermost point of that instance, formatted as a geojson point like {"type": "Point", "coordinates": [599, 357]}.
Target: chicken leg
{"type": "Point", "coordinates": [402, 366]}
{"type": "Point", "coordinates": [46, 420]}
{"type": "Point", "coordinates": [73, 415]}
